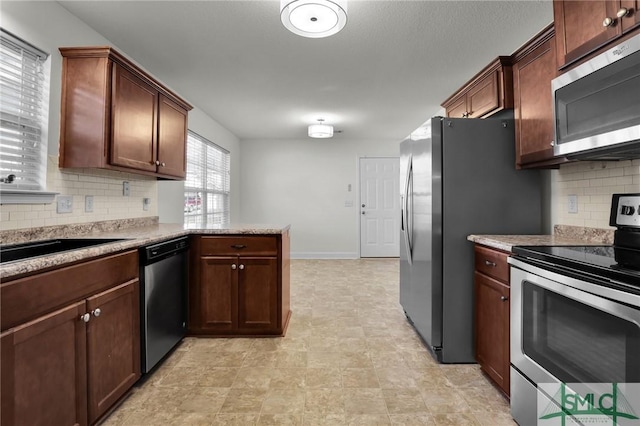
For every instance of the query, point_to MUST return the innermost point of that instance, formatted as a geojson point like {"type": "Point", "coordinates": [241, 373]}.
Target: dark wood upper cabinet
{"type": "Point", "coordinates": [534, 66]}
{"type": "Point", "coordinates": [116, 116]}
{"type": "Point", "coordinates": [488, 92]}
{"type": "Point", "coordinates": [586, 26]}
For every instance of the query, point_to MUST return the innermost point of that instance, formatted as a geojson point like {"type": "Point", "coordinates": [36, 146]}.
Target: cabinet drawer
{"type": "Point", "coordinates": [260, 246]}
{"type": "Point", "coordinates": [27, 298]}
{"type": "Point", "coordinates": [492, 262]}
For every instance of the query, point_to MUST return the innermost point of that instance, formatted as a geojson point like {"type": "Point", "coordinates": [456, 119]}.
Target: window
{"type": "Point", "coordinates": [206, 196]}
{"type": "Point", "coordinates": [23, 147]}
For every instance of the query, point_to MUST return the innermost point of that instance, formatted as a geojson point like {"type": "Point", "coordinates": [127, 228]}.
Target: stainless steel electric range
{"type": "Point", "coordinates": [575, 312]}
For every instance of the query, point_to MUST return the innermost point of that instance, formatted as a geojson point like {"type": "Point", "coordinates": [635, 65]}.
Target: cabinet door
{"type": "Point", "coordinates": [172, 138]}
{"type": "Point", "coordinates": [113, 346]}
{"type": "Point", "coordinates": [458, 108]}
{"type": "Point", "coordinates": [134, 107]}
{"type": "Point", "coordinates": [492, 329]}
{"type": "Point", "coordinates": [533, 105]}
{"type": "Point", "coordinates": [44, 370]}
{"type": "Point", "coordinates": [218, 293]}
{"type": "Point", "coordinates": [258, 293]}
{"type": "Point", "coordinates": [484, 97]}
{"type": "Point", "coordinates": [632, 18]}
{"type": "Point", "coordinates": [579, 27]}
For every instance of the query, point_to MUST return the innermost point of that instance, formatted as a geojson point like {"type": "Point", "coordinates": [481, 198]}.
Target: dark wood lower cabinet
{"type": "Point", "coordinates": [492, 329]}
{"type": "Point", "coordinates": [239, 285]}
{"type": "Point", "coordinates": [44, 370]}
{"type": "Point", "coordinates": [69, 366]}
{"type": "Point", "coordinates": [492, 321]}
{"type": "Point", "coordinates": [113, 346]}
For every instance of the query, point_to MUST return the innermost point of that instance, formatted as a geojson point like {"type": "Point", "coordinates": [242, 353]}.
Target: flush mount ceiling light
{"type": "Point", "coordinates": [320, 130]}
{"type": "Point", "coordinates": [313, 18]}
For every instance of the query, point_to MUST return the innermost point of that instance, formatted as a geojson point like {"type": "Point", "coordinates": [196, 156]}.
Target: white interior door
{"type": "Point", "coordinates": [379, 207]}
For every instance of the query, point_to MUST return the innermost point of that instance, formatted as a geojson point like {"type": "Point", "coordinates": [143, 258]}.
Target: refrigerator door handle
{"type": "Point", "coordinates": [407, 228]}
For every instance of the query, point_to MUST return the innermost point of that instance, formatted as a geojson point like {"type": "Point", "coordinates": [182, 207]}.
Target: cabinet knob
{"type": "Point", "coordinates": [622, 12]}
{"type": "Point", "coordinates": [96, 312]}
{"type": "Point", "coordinates": [157, 163]}
{"type": "Point", "coordinates": [608, 22]}
{"type": "Point", "coordinates": [85, 317]}
{"type": "Point", "coordinates": [233, 266]}
{"type": "Point", "coordinates": [490, 263]}
{"type": "Point", "coordinates": [553, 143]}
{"type": "Point", "coordinates": [241, 266]}
{"type": "Point", "coordinates": [465, 114]}
{"type": "Point", "coordinates": [163, 164]}
{"type": "Point", "coordinates": [504, 298]}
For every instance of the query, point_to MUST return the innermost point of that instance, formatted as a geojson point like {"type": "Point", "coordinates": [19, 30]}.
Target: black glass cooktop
{"type": "Point", "coordinates": [621, 264]}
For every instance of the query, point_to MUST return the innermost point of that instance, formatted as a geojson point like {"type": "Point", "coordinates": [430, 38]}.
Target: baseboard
{"type": "Point", "coordinates": [324, 255]}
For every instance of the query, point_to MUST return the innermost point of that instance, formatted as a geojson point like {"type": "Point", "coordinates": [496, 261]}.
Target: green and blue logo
{"type": "Point", "coordinates": [563, 404]}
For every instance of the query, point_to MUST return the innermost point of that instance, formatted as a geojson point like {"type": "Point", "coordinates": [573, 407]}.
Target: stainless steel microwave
{"type": "Point", "coordinates": [597, 106]}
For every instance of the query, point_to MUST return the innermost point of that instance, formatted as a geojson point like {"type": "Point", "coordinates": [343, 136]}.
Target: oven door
{"type": "Point", "coordinates": [572, 331]}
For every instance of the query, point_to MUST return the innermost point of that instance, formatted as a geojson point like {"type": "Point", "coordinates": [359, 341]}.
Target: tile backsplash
{"type": "Point", "coordinates": [592, 182]}
{"type": "Point", "coordinates": [108, 201]}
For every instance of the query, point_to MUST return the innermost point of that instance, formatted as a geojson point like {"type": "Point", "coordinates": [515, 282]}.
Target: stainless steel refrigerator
{"type": "Point", "coordinates": [457, 177]}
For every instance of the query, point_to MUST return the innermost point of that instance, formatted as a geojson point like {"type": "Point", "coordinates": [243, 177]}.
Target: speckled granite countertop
{"type": "Point", "coordinates": [134, 237]}
{"type": "Point", "coordinates": [506, 242]}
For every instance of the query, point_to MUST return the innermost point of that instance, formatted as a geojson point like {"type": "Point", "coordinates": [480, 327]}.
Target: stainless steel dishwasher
{"type": "Point", "coordinates": [163, 274]}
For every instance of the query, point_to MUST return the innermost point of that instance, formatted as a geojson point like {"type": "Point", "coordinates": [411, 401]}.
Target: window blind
{"type": "Point", "coordinates": [22, 148]}
{"type": "Point", "coordinates": [207, 185]}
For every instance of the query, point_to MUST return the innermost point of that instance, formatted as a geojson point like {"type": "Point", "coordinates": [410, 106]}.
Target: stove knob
{"type": "Point", "coordinates": [627, 210]}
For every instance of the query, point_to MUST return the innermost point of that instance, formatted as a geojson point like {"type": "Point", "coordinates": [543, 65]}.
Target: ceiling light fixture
{"type": "Point", "coordinates": [320, 130]}
{"type": "Point", "coordinates": [314, 18]}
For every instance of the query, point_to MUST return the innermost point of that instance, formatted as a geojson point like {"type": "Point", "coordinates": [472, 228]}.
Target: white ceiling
{"type": "Point", "coordinates": [383, 75]}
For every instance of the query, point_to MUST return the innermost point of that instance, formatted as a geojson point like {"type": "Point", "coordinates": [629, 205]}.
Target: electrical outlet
{"type": "Point", "coordinates": [64, 204]}
{"type": "Point", "coordinates": [125, 189]}
{"type": "Point", "coordinates": [572, 202]}
{"type": "Point", "coordinates": [88, 203]}
{"type": "Point", "coordinates": [145, 203]}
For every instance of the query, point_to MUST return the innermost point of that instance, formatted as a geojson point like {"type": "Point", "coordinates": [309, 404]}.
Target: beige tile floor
{"type": "Point", "coordinates": [349, 358]}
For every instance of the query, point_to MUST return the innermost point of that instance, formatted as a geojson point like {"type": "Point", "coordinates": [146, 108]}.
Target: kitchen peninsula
{"type": "Point", "coordinates": [83, 305]}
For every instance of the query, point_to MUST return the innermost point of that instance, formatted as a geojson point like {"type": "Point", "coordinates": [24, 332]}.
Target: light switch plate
{"type": "Point", "coordinates": [88, 203]}
{"type": "Point", "coordinates": [145, 203]}
{"type": "Point", "coordinates": [64, 204]}
{"type": "Point", "coordinates": [125, 189]}
{"type": "Point", "coordinates": [572, 202]}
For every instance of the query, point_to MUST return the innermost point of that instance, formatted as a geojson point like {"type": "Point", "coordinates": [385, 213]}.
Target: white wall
{"type": "Point", "coordinates": [48, 26]}
{"type": "Point", "coordinates": [304, 183]}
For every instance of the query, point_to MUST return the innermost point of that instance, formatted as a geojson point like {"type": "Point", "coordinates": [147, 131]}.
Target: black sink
{"type": "Point", "coordinates": [10, 253]}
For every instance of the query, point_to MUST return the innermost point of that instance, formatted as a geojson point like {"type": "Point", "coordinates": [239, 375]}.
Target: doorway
{"type": "Point", "coordinates": [379, 207]}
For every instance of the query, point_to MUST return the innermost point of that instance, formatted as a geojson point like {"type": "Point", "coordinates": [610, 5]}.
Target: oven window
{"type": "Point", "coordinates": [576, 342]}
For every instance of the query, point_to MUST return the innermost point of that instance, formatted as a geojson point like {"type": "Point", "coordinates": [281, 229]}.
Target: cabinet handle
{"type": "Point", "coordinates": [622, 12]}
{"type": "Point", "coordinates": [233, 266]}
{"type": "Point", "coordinates": [85, 317]}
{"type": "Point", "coordinates": [96, 312]}
{"type": "Point", "coordinates": [504, 298]}
{"type": "Point", "coordinates": [157, 163]}
{"type": "Point", "coordinates": [609, 22]}
{"type": "Point", "coordinates": [238, 246]}
{"type": "Point", "coordinates": [241, 266]}
{"type": "Point", "coordinates": [553, 143]}
{"type": "Point", "coordinates": [163, 164]}
{"type": "Point", "coordinates": [490, 263]}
